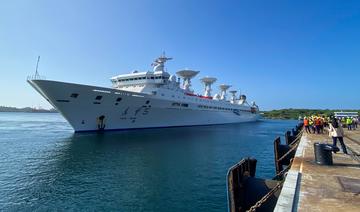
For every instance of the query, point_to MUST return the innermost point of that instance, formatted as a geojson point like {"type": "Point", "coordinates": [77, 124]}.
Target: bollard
{"type": "Point", "coordinates": [289, 138]}
{"type": "Point", "coordinates": [252, 166]}
{"type": "Point", "coordinates": [323, 154]}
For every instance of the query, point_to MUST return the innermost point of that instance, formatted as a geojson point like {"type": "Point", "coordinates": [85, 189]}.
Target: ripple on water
{"type": "Point", "coordinates": [44, 166]}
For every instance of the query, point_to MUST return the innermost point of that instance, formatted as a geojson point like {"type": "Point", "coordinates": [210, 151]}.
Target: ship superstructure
{"type": "Point", "coordinates": [148, 99]}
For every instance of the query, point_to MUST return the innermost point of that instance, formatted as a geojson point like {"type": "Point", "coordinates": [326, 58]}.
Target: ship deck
{"type": "Point", "coordinates": [312, 187]}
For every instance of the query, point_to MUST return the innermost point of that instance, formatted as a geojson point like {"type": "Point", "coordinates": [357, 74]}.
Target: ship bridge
{"type": "Point", "coordinates": [138, 78]}
{"type": "Point", "coordinates": [146, 81]}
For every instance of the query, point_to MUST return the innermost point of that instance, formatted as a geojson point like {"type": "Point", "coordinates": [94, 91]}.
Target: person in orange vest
{"type": "Point", "coordinates": [317, 125]}
{"type": "Point", "coordinates": [306, 125]}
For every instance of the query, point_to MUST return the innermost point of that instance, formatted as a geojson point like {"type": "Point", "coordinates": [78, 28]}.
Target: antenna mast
{"type": "Point", "coordinates": [36, 71]}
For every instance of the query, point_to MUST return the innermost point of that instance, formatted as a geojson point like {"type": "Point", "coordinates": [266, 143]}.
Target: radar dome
{"type": "Point", "coordinates": [242, 100]}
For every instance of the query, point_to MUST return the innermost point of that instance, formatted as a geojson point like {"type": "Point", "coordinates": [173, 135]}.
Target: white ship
{"type": "Point", "coordinates": [150, 99]}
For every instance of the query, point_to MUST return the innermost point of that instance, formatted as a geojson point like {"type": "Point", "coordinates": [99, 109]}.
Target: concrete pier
{"type": "Point", "coordinates": [312, 187]}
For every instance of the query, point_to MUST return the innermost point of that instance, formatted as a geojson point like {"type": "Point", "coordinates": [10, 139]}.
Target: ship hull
{"type": "Point", "coordinates": [81, 106]}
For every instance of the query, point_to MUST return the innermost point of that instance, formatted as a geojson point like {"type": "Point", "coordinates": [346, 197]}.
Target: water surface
{"type": "Point", "coordinates": [45, 166]}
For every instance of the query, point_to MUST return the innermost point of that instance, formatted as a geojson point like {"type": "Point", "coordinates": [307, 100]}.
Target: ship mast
{"type": "Point", "coordinates": [159, 63]}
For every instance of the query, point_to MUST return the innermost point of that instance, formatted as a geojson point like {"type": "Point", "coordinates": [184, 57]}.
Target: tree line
{"type": "Point", "coordinates": [295, 113]}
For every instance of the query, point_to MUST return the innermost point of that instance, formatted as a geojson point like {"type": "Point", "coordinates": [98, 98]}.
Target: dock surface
{"type": "Point", "coordinates": [312, 187]}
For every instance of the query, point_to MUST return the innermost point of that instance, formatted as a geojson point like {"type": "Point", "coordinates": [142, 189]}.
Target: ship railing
{"type": "Point", "coordinates": [36, 77]}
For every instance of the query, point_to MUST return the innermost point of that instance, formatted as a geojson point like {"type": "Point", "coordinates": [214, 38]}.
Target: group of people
{"type": "Point", "coordinates": [316, 124]}
{"type": "Point", "coordinates": [350, 122]}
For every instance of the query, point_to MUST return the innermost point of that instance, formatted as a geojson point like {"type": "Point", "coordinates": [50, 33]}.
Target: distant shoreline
{"type": "Point", "coordinates": [27, 110]}
{"type": "Point", "coordinates": [295, 113]}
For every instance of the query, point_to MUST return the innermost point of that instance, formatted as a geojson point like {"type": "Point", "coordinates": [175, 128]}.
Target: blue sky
{"type": "Point", "coordinates": [282, 54]}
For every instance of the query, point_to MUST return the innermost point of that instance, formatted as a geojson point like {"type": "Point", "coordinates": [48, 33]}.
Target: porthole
{"type": "Point", "coordinates": [74, 95]}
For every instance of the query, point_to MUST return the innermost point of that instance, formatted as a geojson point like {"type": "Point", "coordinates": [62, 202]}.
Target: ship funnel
{"type": "Point", "coordinates": [208, 81]}
{"type": "Point", "coordinates": [233, 96]}
{"type": "Point", "coordinates": [187, 75]}
{"type": "Point", "coordinates": [223, 89]}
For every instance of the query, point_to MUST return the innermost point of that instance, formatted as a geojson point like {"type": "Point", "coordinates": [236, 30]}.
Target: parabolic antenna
{"type": "Point", "coordinates": [208, 81]}
{"type": "Point", "coordinates": [187, 75]}
{"type": "Point", "coordinates": [223, 89]}
{"type": "Point", "coordinates": [233, 95]}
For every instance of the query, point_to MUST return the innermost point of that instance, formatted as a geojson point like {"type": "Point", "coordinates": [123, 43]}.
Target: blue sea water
{"type": "Point", "coordinates": [45, 166]}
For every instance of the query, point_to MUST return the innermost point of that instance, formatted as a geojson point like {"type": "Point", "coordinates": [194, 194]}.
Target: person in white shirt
{"type": "Point", "coordinates": [337, 133]}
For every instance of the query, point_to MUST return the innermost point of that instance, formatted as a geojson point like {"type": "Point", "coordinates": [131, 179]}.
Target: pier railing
{"type": "Point", "coordinates": [248, 193]}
